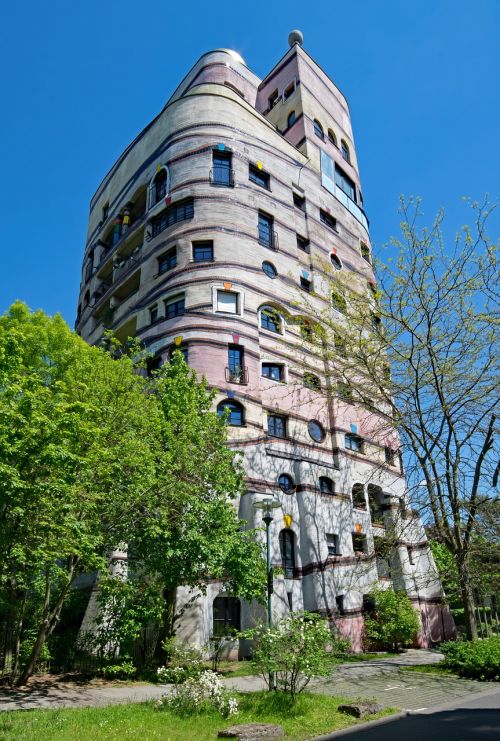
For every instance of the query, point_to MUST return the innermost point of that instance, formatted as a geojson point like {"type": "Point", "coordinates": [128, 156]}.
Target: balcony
{"type": "Point", "coordinates": [109, 247]}
{"type": "Point", "coordinates": [222, 177]}
{"type": "Point", "coordinates": [238, 374]}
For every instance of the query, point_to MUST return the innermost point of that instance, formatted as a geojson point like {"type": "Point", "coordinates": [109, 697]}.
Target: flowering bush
{"type": "Point", "coordinates": [183, 662]}
{"type": "Point", "coordinates": [299, 647]}
{"type": "Point", "coordinates": [204, 693]}
{"type": "Point", "coordinates": [171, 674]}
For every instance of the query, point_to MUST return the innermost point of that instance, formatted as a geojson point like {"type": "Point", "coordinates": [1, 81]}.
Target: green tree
{"type": "Point", "coordinates": [393, 620]}
{"type": "Point", "coordinates": [76, 461]}
{"type": "Point", "coordinates": [420, 352]}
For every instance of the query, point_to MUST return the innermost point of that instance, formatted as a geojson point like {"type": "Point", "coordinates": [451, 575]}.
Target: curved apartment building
{"type": "Point", "coordinates": [206, 235]}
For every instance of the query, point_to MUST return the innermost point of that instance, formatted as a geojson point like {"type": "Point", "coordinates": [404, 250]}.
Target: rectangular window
{"type": "Point", "coordinates": [365, 252]}
{"type": "Point", "coordinates": [305, 284]}
{"type": "Point", "coordinates": [339, 602]}
{"type": "Point", "coordinates": [227, 302]}
{"type": "Point", "coordinates": [359, 543]}
{"type": "Point", "coordinates": [177, 212]}
{"type": "Point", "coordinates": [345, 183]}
{"type": "Point", "coordinates": [222, 173]}
{"type": "Point", "coordinates": [289, 91]}
{"type": "Point", "coordinates": [273, 99]}
{"type": "Point", "coordinates": [299, 202]}
{"type": "Point", "coordinates": [274, 371]}
{"type": "Point", "coordinates": [276, 425]}
{"type": "Point", "coordinates": [259, 177]}
{"type": "Point", "coordinates": [302, 243]}
{"type": "Point", "coordinates": [354, 442]}
{"type": "Point", "coordinates": [105, 211]}
{"type": "Point", "coordinates": [235, 358]}
{"type": "Point", "coordinates": [344, 391]}
{"type": "Point", "coordinates": [390, 456]}
{"type": "Point", "coordinates": [153, 314]}
{"type": "Point", "coordinates": [332, 541]}
{"type": "Point", "coordinates": [167, 261]}
{"type": "Point", "coordinates": [174, 307]}
{"type": "Point", "coordinates": [411, 557]}
{"type": "Point", "coordinates": [327, 219]}
{"type": "Point", "coordinates": [266, 230]}
{"type": "Point", "coordinates": [203, 251]}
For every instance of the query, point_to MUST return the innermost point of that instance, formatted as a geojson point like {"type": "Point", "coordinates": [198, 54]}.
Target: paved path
{"type": "Point", "coordinates": [381, 678]}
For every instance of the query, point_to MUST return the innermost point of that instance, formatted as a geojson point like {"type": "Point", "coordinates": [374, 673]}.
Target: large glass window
{"type": "Point", "coordinates": [177, 212]}
{"type": "Point", "coordinates": [276, 425]}
{"type": "Point", "coordinates": [287, 549]}
{"type": "Point", "coordinates": [345, 183]}
{"type": "Point", "coordinates": [226, 616]}
{"type": "Point", "coordinates": [222, 173]}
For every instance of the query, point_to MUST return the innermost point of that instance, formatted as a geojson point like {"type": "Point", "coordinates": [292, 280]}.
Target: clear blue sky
{"type": "Point", "coordinates": [81, 79]}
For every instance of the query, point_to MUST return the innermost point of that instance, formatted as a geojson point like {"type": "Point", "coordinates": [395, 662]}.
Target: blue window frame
{"type": "Point", "coordinates": [291, 119]}
{"type": "Point", "coordinates": [276, 425]}
{"type": "Point", "coordinates": [286, 483]}
{"type": "Point", "coordinates": [175, 307]}
{"type": "Point", "coordinates": [203, 251]}
{"type": "Point", "coordinates": [235, 356]}
{"type": "Point", "coordinates": [354, 442]}
{"type": "Point", "coordinates": [222, 172]}
{"type": "Point", "coordinates": [316, 431]}
{"type": "Point", "coordinates": [236, 416]}
{"type": "Point", "coordinates": [167, 261]}
{"type": "Point", "coordinates": [274, 371]}
{"type": "Point", "coordinates": [265, 229]}
{"type": "Point", "coordinates": [318, 129]}
{"type": "Point", "coordinates": [259, 177]}
{"type": "Point", "coordinates": [177, 212]}
{"type": "Point", "coordinates": [270, 319]}
{"type": "Point", "coordinates": [269, 269]}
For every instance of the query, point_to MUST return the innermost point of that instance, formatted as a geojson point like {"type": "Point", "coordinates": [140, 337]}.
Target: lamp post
{"type": "Point", "coordinates": [267, 504]}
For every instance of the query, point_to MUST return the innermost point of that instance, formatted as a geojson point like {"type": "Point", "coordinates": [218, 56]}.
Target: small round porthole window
{"type": "Point", "coordinates": [316, 431]}
{"type": "Point", "coordinates": [336, 261]}
{"type": "Point", "coordinates": [286, 483]}
{"type": "Point", "coordinates": [269, 269]}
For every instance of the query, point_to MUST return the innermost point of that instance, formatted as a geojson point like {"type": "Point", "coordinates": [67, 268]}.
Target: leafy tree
{"type": "Point", "coordinates": [299, 647]}
{"type": "Point", "coordinates": [75, 461]}
{"type": "Point", "coordinates": [421, 354]}
{"type": "Point", "coordinates": [393, 620]}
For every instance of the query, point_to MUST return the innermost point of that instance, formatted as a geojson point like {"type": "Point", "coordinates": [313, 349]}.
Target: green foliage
{"type": "Point", "coordinates": [478, 659]}
{"type": "Point", "coordinates": [183, 661]}
{"type": "Point", "coordinates": [394, 621]}
{"type": "Point", "coordinates": [204, 693]}
{"type": "Point", "coordinates": [299, 647]}
{"type": "Point", "coordinates": [123, 670]}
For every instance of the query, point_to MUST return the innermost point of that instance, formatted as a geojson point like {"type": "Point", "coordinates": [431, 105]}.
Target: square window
{"type": "Point", "coordinates": [167, 261]}
{"type": "Point", "coordinates": [354, 442]}
{"type": "Point", "coordinates": [274, 371]}
{"type": "Point", "coordinates": [305, 284]}
{"type": "Point", "coordinates": [302, 243]}
{"type": "Point", "coordinates": [327, 219]}
{"type": "Point", "coordinates": [227, 302]}
{"type": "Point", "coordinates": [332, 542]}
{"type": "Point", "coordinates": [276, 425]}
{"type": "Point", "coordinates": [174, 307]}
{"type": "Point", "coordinates": [203, 251]}
{"type": "Point", "coordinates": [259, 177]}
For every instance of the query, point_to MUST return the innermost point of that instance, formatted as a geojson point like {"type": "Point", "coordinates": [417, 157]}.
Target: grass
{"type": "Point", "coordinates": [312, 715]}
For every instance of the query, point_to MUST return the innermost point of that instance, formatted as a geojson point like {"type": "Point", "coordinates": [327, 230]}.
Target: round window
{"type": "Point", "coordinates": [316, 431]}
{"type": "Point", "coordinates": [336, 262]}
{"type": "Point", "coordinates": [286, 483]}
{"type": "Point", "coordinates": [269, 269]}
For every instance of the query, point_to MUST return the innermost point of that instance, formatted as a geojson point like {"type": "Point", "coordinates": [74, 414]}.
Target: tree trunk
{"type": "Point", "coordinates": [467, 597]}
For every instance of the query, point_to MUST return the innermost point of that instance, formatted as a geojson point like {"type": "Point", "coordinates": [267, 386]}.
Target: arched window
{"type": "Point", "coordinates": [318, 129]}
{"type": "Point", "coordinates": [236, 416]}
{"type": "Point", "coordinates": [287, 550]}
{"type": "Point", "coordinates": [336, 261]}
{"type": "Point", "coordinates": [226, 615]}
{"type": "Point", "coordinates": [316, 431]}
{"type": "Point", "coordinates": [345, 151]}
{"type": "Point", "coordinates": [332, 138]}
{"type": "Point", "coordinates": [270, 319]}
{"type": "Point", "coordinates": [158, 187]}
{"type": "Point", "coordinates": [269, 269]}
{"type": "Point", "coordinates": [358, 496]}
{"type": "Point", "coordinates": [326, 485]}
{"type": "Point", "coordinates": [291, 119]}
{"type": "Point", "coordinates": [286, 483]}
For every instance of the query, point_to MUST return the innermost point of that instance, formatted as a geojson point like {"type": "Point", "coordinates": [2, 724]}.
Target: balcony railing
{"type": "Point", "coordinates": [238, 374]}
{"type": "Point", "coordinates": [224, 178]}
{"type": "Point", "coordinates": [269, 240]}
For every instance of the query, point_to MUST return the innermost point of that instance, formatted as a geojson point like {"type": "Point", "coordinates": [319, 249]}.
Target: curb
{"type": "Point", "coordinates": [361, 726]}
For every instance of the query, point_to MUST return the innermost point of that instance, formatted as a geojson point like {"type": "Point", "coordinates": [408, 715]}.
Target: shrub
{"type": "Point", "coordinates": [393, 621]}
{"type": "Point", "coordinates": [183, 662]}
{"type": "Point", "coordinates": [204, 693]}
{"type": "Point", "coordinates": [294, 650]}
{"type": "Point", "coordinates": [474, 659]}
{"type": "Point", "coordinates": [125, 670]}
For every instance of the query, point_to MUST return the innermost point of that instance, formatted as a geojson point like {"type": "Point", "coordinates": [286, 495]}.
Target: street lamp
{"type": "Point", "coordinates": [267, 504]}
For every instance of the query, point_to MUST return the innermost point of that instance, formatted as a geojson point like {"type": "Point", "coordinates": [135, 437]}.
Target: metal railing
{"type": "Point", "coordinates": [270, 241]}
{"type": "Point", "coordinates": [238, 374]}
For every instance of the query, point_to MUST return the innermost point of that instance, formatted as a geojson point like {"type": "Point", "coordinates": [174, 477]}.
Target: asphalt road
{"type": "Point", "coordinates": [474, 719]}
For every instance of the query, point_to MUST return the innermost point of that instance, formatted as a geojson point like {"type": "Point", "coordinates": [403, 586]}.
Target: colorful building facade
{"type": "Point", "coordinates": [207, 235]}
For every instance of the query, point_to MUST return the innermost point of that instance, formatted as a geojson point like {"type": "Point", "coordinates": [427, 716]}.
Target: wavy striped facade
{"type": "Point", "coordinates": [207, 234]}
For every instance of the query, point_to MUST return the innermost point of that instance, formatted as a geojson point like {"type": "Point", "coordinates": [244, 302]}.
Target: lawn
{"type": "Point", "coordinates": [311, 716]}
